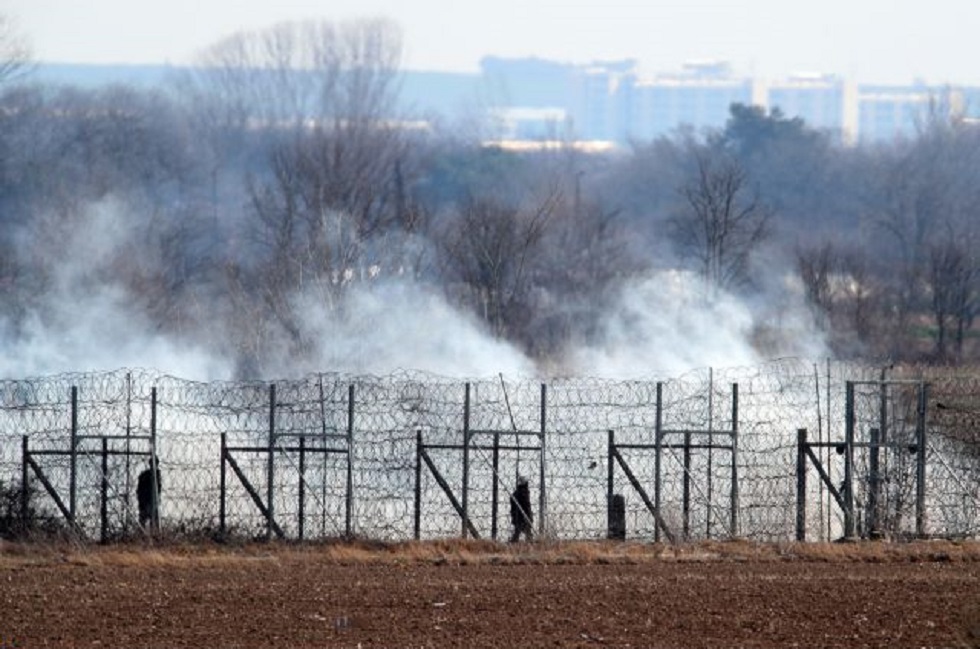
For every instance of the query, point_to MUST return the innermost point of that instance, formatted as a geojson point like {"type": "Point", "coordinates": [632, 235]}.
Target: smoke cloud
{"type": "Point", "coordinates": [660, 324]}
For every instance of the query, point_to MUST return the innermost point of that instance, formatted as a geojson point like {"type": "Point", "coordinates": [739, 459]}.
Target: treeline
{"type": "Point", "coordinates": [283, 171]}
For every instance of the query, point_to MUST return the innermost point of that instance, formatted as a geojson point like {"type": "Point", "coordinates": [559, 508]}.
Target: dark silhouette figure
{"type": "Point", "coordinates": [520, 511]}
{"type": "Point", "coordinates": [148, 501]}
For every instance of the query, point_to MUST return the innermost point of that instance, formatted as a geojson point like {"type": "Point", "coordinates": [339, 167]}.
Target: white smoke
{"type": "Point", "coordinates": [85, 320]}
{"type": "Point", "coordinates": [403, 325]}
{"type": "Point", "coordinates": [662, 324]}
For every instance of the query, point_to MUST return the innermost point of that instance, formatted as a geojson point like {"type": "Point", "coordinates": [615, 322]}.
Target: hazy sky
{"type": "Point", "coordinates": [866, 40]}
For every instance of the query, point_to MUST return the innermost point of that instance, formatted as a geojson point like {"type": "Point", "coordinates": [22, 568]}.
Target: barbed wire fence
{"type": "Point", "coordinates": [714, 453]}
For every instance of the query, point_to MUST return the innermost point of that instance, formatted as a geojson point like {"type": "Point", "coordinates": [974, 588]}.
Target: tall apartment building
{"type": "Point", "coordinates": [601, 100]}
{"type": "Point", "coordinates": [699, 96]}
{"type": "Point", "coordinates": [824, 102]}
{"type": "Point", "coordinates": [612, 102]}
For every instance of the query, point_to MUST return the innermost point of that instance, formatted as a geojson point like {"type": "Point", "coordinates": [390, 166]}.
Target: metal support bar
{"type": "Point", "coordinates": [467, 524]}
{"type": "Point", "coordinates": [256, 498]}
{"type": "Point", "coordinates": [643, 494]}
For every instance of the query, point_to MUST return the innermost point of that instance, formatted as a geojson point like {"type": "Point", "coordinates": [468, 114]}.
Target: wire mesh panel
{"type": "Point", "coordinates": [329, 455]}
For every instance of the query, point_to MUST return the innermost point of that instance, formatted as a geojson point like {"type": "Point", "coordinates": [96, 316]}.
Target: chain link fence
{"type": "Point", "coordinates": [713, 453]}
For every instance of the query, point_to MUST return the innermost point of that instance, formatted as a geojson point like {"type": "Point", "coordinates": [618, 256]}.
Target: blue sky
{"type": "Point", "coordinates": [885, 41]}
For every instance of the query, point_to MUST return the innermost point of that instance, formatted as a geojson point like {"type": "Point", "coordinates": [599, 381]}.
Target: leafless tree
{"type": "Point", "coordinates": [723, 221]}
{"type": "Point", "coordinates": [332, 193]}
{"type": "Point", "coordinates": [15, 54]}
{"type": "Point", "coordinates": [954, 282]}
{"type": "Point", "coordinates": [490, 247]}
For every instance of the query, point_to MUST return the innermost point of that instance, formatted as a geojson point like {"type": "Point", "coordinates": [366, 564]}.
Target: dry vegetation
{"type": "Point", "coordinates": [469, 552]}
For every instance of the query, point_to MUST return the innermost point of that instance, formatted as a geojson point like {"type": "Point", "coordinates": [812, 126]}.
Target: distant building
{"type": "Point", "coordinates": [824, 102]}
{"type": "Point", "coordinates": [891, 112]}
{"type": "Point", "coordinates": [601, 100]}
{"type": "Point", "coordinates": [699, 96]}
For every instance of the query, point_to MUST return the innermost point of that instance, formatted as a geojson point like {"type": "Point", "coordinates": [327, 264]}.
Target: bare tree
{"type": "Point", "coordinates": [15, 54]}
{"type": "Point", "coordinates": [723, 221]}
{"type": "Point", "coordinates": [331, 192]}
{"type": "Point", "coordinates": [954, 282]}
{"type": "Point", "coordinates": [817, 268]}
{"type": "Point", "coordinates": [490, 246]}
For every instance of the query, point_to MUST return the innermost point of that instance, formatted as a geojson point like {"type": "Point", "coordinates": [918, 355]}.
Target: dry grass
{"type": "Point", "coordinates": [469, 552]}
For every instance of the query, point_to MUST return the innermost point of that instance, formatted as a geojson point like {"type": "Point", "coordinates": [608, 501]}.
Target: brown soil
{"type": "Point", "coordinates": [487, 595]}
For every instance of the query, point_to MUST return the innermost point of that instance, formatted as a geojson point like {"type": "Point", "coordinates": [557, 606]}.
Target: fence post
{"type": "Point", "coordinates": [801, 484]}
{"type": "Point", "coordinates": [418, 484]}
{"type": "Point", "coordinates": [735, 493]}
{"type": "Point", "coordinates": [104, 492]}
{"type": "Point", "coordinates": [466, 460]}
{"type": "Point", "coordinates": [270, 468]}
{"type": "Point", "coordinates": [849, 461]}
{"type": "Point", "coordinates": [921, 520]}
{"type": "Point", "coordinates": [610, 476]}
{"type": "Point", "coordinates": [542, 495]}
{"type": "Point", "coordinates": [302, 485]}
{"type": "Point", "coordinates": [154, 465]}
{"type": "Point", "coordinates": [687, 485]}
{"type": "Point", "coordinates": [24, 491]}
{"type": "Point", "coordinates": [222, 529]}
{"type": "Point", "coordinates": [658, 446]}
{"type": "Point", "coordinates": [349, 501]}
{"type": "Point", "coordinates": [874, 479]}
{"type": "Point", "coordinates": [496, 485]}
{"type": "Point", "coordinates": [73, 457]}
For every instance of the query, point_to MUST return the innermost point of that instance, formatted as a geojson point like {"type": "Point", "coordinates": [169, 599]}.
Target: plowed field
{"type": "Point", "coordinates": [487, 595]}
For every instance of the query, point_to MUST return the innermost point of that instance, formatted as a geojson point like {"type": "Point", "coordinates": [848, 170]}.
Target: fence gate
{"type": "Point", "coordinates": [881, 461]}
{"type": "Point", "coordinates": [689, 442]}
{"type": "Point", "coordinates": [288, 452]}
{"type": "Point", "coordinates": [104, 458]}
{"type": "Point", "coordinates": [482, 454]}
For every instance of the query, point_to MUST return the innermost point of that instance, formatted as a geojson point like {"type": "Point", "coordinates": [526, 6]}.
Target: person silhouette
{"type": "Point", "coordinates": [149, 502]}
{"type": "Point", "coordinates": [521, 515]}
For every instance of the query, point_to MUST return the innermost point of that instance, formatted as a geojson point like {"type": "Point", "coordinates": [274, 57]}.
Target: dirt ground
{"type": "Point", "coordinates": [456, 594]}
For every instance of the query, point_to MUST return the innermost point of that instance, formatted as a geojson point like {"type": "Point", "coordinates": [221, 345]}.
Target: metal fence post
{"type": "Point", "coordinates": [801, 484]}
{"type": "Point", "coordinates": [104, 493]}
{"type": "Point", "coordinates": [687, 485]}
{"type": "Point", "coordinates": [495, 498]}
{"type": "Point", "coordinates": [270, 468]}
{"type": "Point", "coordinates": [302, 486]}
{"type": "Point", "coordinates": [349, 500]}
{"type": "Point", "coordinates": [735, 492]}
{"type": "Point", "coordinates": [542, 490]}
{"type": "Point", "coordinates": [610, 476]}
{"type": "Point", "coordinates": [418, 484]}
{"type": "Point", "coordinates": [73, 459]}
{"type": "Point", "coordinates": [223, 486]}
{"type": "Point", "coordinates": [25, 493]}
{"type": "Point", "coordinates": [921, 520]}
{"type": "Point", "coordinates": [466, 461]}
{"type": "Point", "coordinates": [154, 465]}
{"type": "Point", "coordinates": [849, 461]}
{"type": "Point", "coordinates": [658, 448]}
